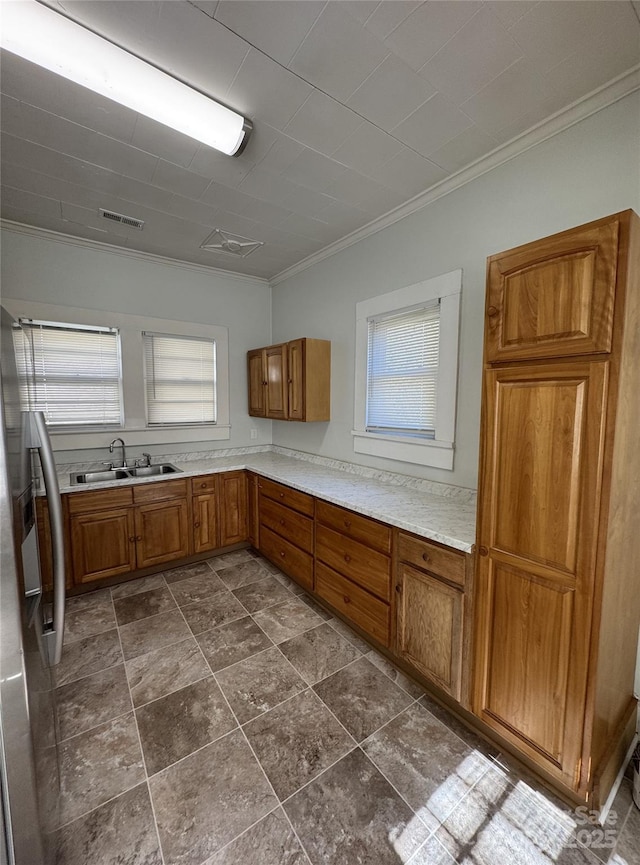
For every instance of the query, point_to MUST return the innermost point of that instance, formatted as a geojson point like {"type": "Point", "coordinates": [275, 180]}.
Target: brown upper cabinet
{"type": "Point", "coordinates": [554, 297]}
{"type": "Point", "coordinates": [291, 381]}
{"type": "Point", "coordinates": [558, 606]}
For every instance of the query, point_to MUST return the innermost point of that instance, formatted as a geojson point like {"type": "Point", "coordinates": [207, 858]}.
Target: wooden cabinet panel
{"type": "Point", "coordinates": [437, 560]}
{"type": "Point", "coordinates": [45, 549]}
{"type": "Point", "coordinates": [289, 558]}
{"type": "Point", "coordinates": [430, 628]}
{"type": "Point", "coordinates": [157, 492]}
{"type": "Point", "coordinates": [275, 370]}
{"type": "Point", "coordinates": [162, 532]}
{"type": "Point", "coordinates": [103, 544]}
{"type": "Point", "coordinates": [204, 484]}
{"type": "Point", "coordinates": [287, 496]}
{"type": "Point", "coordinates": [553, 297]}
{"type": "Point", "coordinates": [528, 656]}
{"type": "Point", "coordinates": [205, 522]}
{"type": "Point", "coordinates": [369, 568]}
{"type": "Point", "coordinates": [291, 525]}
{"type": "Point", "coordinates": [253, 510]}
{"type": "Point", "coordinates": [370, 614]}
{"type": "Point", "coordinates": [295, 381]}
{"type": "Point", "coordinates": [370, 532]}
{"type": "Point", "coordinates": [232, 492]}
{"type": "Point", "coordinates": [99, 500]}
{"type": "Point", "coordinates": [257, 382]}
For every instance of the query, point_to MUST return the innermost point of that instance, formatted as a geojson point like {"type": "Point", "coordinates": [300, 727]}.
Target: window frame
{"type": "Point", "coordinates": [437, 452]}
{"type": "Point", "coordinates": [135, 429]}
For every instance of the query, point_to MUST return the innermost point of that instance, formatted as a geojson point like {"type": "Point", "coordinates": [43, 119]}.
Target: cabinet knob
{"type": "Point", "coordinates": [196, 525]}
{"type": "Point", "coordinates": [132, 539]}
{"type": "Point", "coordinates": [426, 557]}
{"type": "Point", "coordinates": [289, 381]}
{"type": "Point", "coordinates": [399, 589]}
{"type": "Point", "coordinates": [347, 558]}
{"type": "Point", "coordinates": [347, 599]}
{"type": "Point", "coordinates": [281, 522]}
{"type": "Point", "coordinates": [281, 495]}
{"type": "Point", "coordinates": [347, 524]}
{"type": "Point", "coordinates": [139, 538]}
{"type": "Point", "coordinates": [483, 551]}
{"type": "Point", "coordinates": [203, 485]}
{"type": "Point", "coordinates": [492, 311]}
{"type": "Point", "coordinates": [282, 553]}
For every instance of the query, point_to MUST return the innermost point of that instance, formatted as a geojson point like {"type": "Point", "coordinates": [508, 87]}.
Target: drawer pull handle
{"type": "Point", "coordinates": [281, 495]}
{"type": "Point", "coordinates": [426, 557]}
{"type": "Point", "coordinates": [483, 551]}
{"type": "Point", "coordinates": [347, 524]}
{"type": "Point", "coordinates": [282, 553]}
{"type": "Point", "coordinates": [196, 525]}
{"type": "Point", "coordinates": [347, 558]}
{"type": "Point", "coordinates": [203, 486]}
{"type": "Point", "coordinates": [347, 599]}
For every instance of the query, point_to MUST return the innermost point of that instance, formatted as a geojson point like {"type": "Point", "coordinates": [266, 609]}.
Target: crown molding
{"type": "Point", "coordinates": [612, 92]}
{"type": "Point", "coordinates": [112, 249]}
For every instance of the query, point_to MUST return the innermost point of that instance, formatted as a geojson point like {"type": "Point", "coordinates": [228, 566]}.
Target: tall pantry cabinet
{"type": "Point", "coordinates": [558, 585]}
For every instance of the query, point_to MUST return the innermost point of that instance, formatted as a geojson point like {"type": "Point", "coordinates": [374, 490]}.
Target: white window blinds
{"type": "Point", "coordinates": [402, 371]}
{"type": "Point", "coordinates": [180, 379]}
{"type": "Point", "coordinates": [71, 372]}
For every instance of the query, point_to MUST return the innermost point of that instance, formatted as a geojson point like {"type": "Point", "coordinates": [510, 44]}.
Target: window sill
{"type": "Point", "coordinates": [425, 452]}
{"type": "Point", "coordinates": [63, 441]}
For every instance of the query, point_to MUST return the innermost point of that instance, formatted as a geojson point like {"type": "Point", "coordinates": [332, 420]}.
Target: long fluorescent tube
{"type": "Point", "coordinates": [44, 37]}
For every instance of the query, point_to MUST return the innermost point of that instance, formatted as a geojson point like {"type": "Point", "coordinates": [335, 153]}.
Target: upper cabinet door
{"type": "Point", "coordinates": [553, 297]}
{"type": "Point", "coordinates": [276, 377]}
{"type": "Point", "coordinates": [257, 382]}
{"type": "Point", "coordinates": [295, 359]}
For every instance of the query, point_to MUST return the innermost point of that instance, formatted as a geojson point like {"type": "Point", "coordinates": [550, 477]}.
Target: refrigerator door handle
{"type": "Point", "coordinates": [40, 440]}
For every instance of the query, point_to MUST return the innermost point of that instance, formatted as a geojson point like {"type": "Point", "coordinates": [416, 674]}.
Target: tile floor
{"type": "Point", "coordinates": [215, 715]}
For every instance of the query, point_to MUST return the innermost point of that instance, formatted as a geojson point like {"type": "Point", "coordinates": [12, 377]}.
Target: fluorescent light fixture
{"type": "Point", "coordinates": [47, 38]}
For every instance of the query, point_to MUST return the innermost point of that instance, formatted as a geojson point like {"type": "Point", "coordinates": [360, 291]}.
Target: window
{"type": "Point", "coordinates": [71, 372]}
{"type": "Point", "coordinates": [406, 372]}
{"type": "Point", "coordinates": [180, 379]}
{"type": "Point", "coordinates": [402, 372]}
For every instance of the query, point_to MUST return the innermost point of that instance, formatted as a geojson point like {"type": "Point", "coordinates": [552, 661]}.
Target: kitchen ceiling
{"type": "Point", "coordinates": [357, 107]}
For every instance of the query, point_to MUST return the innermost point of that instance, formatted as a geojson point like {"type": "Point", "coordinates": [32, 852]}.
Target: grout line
{"type": "Point", "coordinates": [106, 802]}
{"type": "Point", "coordinates": [175, 691]}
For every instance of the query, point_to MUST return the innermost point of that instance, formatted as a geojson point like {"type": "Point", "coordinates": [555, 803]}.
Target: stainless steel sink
{"type": "Point", "coordinates": [123, 474]}
{"type": "Point", "coordinates": [147, 471]}
{"type": "Point", "coordinates": [95, 477]}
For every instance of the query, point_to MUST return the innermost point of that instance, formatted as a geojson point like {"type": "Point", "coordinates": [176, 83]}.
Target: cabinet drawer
{"type": "Point", "coordinates": [204, 484]}
{"type": "Point", "coordinates": [286, 496]}
{"type": "Point", "coordinates": [289, 524]}
{"type": "Point", "coordinates": [365, 566]}
{"type": "Point", "coordinates": [354, 603]}
{"type": "Point", "coordinates": [156, 492]}
{"type": "Point", "coordinates": [99, 500]}
{"type": "Point", "coordinates": [444, 562]}
{"type": "Point", "coordinates": [293, 561]}
{"type": "Point", "coordinates": [368, 531]}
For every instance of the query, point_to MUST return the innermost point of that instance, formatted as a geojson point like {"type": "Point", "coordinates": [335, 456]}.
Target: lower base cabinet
{"type": "Point", "coordinates": [162, 532]}
{"type": "Point", "coordinates": [103, 544]}
{"type": "Point", "coordinates": [362, 608]}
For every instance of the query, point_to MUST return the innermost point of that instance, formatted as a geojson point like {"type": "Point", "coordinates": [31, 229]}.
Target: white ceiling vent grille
{"type": "Point", "coordinates": [131, 221]}
{"type": "Point", "coordinates": [234, 244]}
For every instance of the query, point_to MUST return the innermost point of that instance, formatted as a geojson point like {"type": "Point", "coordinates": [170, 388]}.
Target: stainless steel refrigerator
{"type": "Point", "coordinates": [31, 624]}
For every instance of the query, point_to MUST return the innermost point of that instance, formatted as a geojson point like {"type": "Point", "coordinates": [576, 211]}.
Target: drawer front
{"type": "Point", "coordinates": [368, 531]}
{"type": "Point", "coordinates": [289, 524]}
{"type": "Point", "coordinates": [444, 562]}
{"type": "Point", "coordinates": [99, 500]}
{"type": "Point", "coordinates": [293, 561]}
{"type": "Point", "coordinates": [354, 603]}
{"type": "Point", "coordinates": [157, 492]}
{"type": "Point", "coordinates": [286, 496]}
{"type": "Point", "coordinates": [204, 484]}
{"type": "Point", "coordinates": [369, 568]}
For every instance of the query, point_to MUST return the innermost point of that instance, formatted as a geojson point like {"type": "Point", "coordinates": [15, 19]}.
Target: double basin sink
{"type": "Point", "coordinates": [122, 474]}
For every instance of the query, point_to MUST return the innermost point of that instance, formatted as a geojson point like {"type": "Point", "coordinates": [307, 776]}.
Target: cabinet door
{"type": "Point", "coordinates": [275, 360]}
{"type": "Point", "coordinates": [253, 510]}
{"type": "Point", "coordinates": [103, 544]}
{"type": "Point", "coordinates": [553, 297]}
{"type": "Point", "coordinates": [162, 532]}
{"type": "Point", "coordinates": [205, 522]}
{"type": "Point", "coordinates": [257, 382]}
{"type": "Point", "coordinates": [295, 381]}
{"type": "Point", "coordinates": [232, 493]}
{"type": "Point", "coordinates": [430, 627]}
{"type": "Point", "coordinates": [539, 501]}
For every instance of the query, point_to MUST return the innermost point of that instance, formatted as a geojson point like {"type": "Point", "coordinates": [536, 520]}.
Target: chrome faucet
{"type": "Point", "coordinates": [124, 456]}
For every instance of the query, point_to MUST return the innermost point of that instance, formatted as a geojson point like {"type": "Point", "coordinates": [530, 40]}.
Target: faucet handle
{"type": "Point", "coordinates": [148, 457]}
{"type": "Point", "coordinates": [108, 465]}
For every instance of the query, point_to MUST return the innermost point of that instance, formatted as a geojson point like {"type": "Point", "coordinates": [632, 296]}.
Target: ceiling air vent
{"type": "Point", "coordinates": [122, 219]}
{"type": "Point", "coordinates": [234, 244]}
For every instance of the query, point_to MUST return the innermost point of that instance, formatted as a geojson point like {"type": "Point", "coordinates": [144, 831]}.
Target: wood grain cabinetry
{"type": "Point", "coordinates": [232, 491]}
{"type": "Point", "coordinates": [162, 522]}
{"type": "Point", "coordinates": [558, 605]}
{"type": "Point", "coordinates": [432, 613]}
{"type": "Point", "coordinates": [291, 381]}
{"type": "Point", "coordinates": [45, 549]}
{"type": "Point", "coordinates": [253, 510]}
{"type": "Point", "coordinates": [287, 529]}
{"type": "Point", "coordinates": [205, 511]}
{"type": "Point", "coordinates": [353, 568]}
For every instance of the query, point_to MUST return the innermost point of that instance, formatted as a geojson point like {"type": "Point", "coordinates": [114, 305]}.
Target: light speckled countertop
{"type": "Point", "coordinates": [448, 518]}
